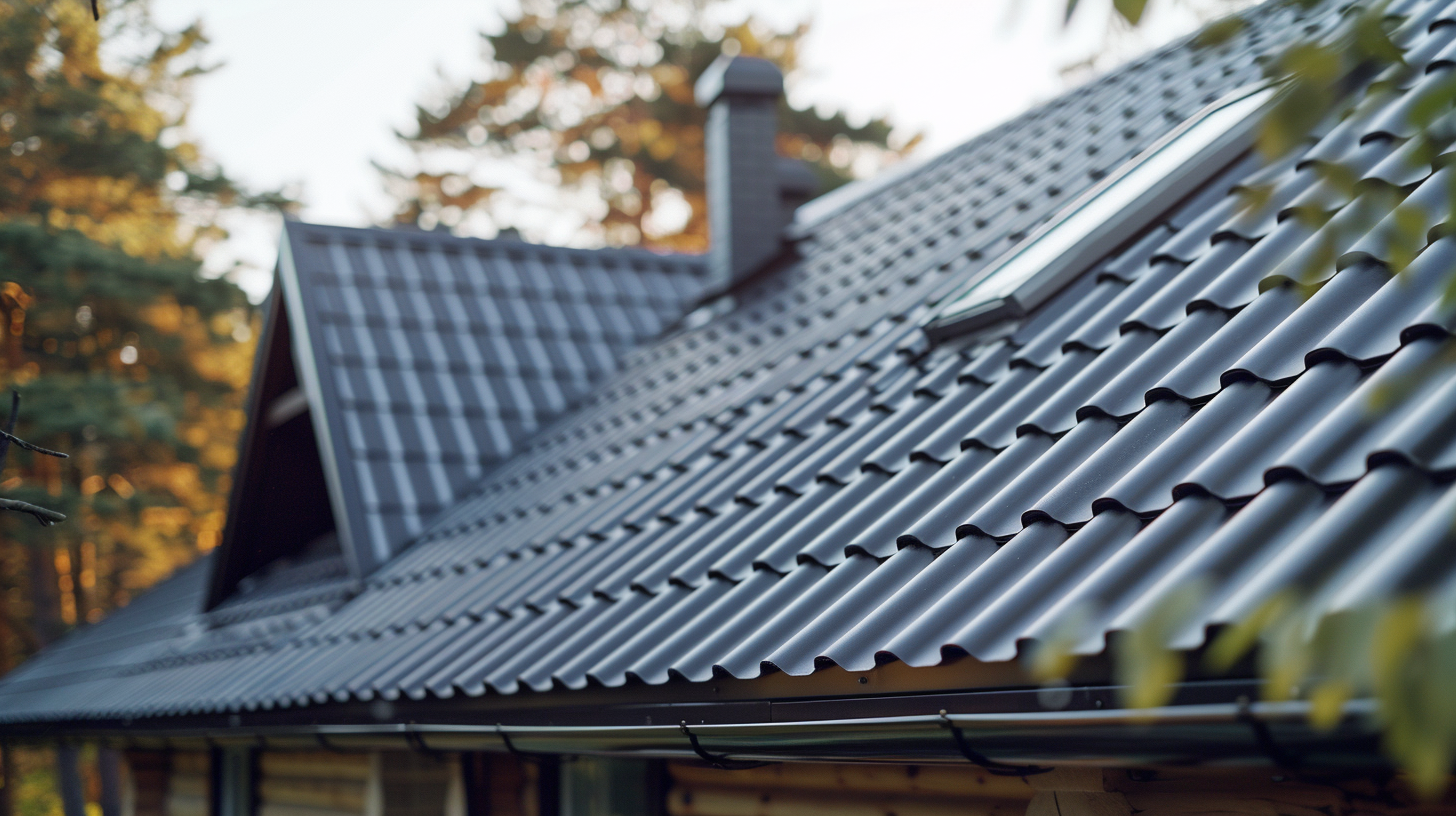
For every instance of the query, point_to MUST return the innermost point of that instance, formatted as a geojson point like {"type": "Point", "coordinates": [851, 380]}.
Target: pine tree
{"type": "Point", "coordinates": [594, 99]}
{"type": "Point", "coordinates": [126, 355]}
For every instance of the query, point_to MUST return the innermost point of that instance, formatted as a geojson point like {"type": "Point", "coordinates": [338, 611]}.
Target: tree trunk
{"type": "Point", "coordinates": [68, 779]}
{"type": "Point", "coordinates": [108, 761]}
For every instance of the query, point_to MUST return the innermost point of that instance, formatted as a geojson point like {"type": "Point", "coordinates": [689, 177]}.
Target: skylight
{"type": "Point", "coordinates": [1107, 215]}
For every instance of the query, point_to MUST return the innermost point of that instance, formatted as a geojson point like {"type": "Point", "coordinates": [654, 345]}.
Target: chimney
{"type": "Point", "coordinates": [797, 184]}
{"type": "Point", "coordinates": [746, 215]}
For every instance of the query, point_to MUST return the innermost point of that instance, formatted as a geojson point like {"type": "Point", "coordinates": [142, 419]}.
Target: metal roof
{"type": "Point", "coordinates": [805, 480]}
{"type": "Point", "coordinates": [432, 357]}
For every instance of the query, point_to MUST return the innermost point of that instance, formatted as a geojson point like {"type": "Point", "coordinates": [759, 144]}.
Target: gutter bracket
{"type": "Point", "coordinates": [1265, 738]}
{"type": "Point", "coordinates": [975, 757]}
{"type": "Point", "coordinates": [511, 748]}
{"type": "Point", "coordinates": [722, 763]}
{"type": "Point", "coordinates": [417, 743]}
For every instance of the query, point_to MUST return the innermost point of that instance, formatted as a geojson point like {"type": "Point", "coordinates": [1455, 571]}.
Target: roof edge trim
{"type": "Point", "coordinates": [304, 350]}
{"type": "Point", "coordinates": [1104, 217]}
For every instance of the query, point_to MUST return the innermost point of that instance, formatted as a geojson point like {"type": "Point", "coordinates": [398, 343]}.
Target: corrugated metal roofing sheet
{"type": "Point", "coordinates": [804, 480]}
{"type": "Point", "coordinates": [438, 355]}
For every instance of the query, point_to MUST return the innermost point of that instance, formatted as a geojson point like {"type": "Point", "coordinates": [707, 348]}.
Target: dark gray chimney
{"type": "Point", "coordinates": [745, 214]}
{"type": "Point", "coordinates": [797, 184]}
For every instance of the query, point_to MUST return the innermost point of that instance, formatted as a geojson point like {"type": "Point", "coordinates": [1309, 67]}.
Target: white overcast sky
{"type": "Point", "coordinates": [310, 91]}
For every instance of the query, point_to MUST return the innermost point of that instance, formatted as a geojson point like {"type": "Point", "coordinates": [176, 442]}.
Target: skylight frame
{"type": "Point", "coordinates": [1106, 216]}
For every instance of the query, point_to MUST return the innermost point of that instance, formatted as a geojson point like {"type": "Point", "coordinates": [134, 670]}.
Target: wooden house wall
{"type": "Point", "coordinates": [145, 792]}
{"type": "Point", "coordinates": [313, 784]}
{"type": "Point", "coordinates": [851, 790]}
{"type": "Point", "coordinates": [942, 790]}
{"type": "Point", "coordinates": [189, 785]}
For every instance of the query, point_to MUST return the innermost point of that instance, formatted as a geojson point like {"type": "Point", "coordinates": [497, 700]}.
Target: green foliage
{"type": "Point", "coordinates": [596, 99]}
{"type": "Point", "coordinates": [126, 356]}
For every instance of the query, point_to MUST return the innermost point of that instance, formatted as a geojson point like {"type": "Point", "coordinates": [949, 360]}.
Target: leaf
{"type": "Point", "coordinates": [1297, 109]}
{"type": "Point", "coordinates": [1327, 704]}
{"type": "Point", "coordinates": [1236, 641]}
{"type": "Point", "coordinates": [1219, 32]}
{"type": "Point", "coordinates": [1131, 10]}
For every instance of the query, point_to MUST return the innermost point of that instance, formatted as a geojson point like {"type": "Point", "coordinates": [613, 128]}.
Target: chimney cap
{"type": "Point", "coordinates": [738, 76]}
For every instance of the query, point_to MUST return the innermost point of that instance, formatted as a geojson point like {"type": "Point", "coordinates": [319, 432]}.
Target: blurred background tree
{"type": "Point", "coordinates": [590, 103]}
{"type": "Point", "coordinates": [127, 356]}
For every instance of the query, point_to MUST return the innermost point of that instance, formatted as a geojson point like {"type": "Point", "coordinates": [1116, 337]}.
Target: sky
{"type": "Point", "coordinates": [311, 92]}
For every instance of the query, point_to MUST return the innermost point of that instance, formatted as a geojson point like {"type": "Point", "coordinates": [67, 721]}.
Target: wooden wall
{"type": "Point", "coordinates": [189, 787]}
{"type": "Point", "coordinates": [146, 775]}
{"type": "Point", "coordinates": [942, 790]}
{"type": "Point", "coordinates": [313, 784]}
{"type": "Point", "coordinates": [845, 790]}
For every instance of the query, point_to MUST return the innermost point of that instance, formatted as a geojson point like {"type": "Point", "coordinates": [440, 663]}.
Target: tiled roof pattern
{"type": "Point", "coordinates": [438, 355]}
{"type": "Point", "coordinates": [805, 480]}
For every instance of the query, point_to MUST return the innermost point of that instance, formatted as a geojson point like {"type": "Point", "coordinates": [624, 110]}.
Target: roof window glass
{"type": "Point", "coordinates": [1106, 216]}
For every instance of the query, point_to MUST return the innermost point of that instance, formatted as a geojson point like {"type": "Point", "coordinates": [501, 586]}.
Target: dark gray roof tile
{"type": "Point", "coordinates": [738, 646]}
{"type": "Point", "coordinates": [864, 587]}
{"type": "Point", "coordinates": [959, 593]}
{"type": "Point", "coordinates": [1165, 306]}
{"type": "Point", "coordinates": [1413, 298]}
{"type": "Point", "coordinates": [1128, 265]}
{"type": "Point", "coordinates": [1341, 542]}
{"type": "Point", "coordinates": [1236, 469]}
{"type": "Point", "coordinates": [1195, 240]}
{"type": "Point", "coordinates": [936, 527]}
{"type": "Point", "coordinates": [1183, 599]}
{"type": "Point", "coordinates": [892, 516]}
{"type": "Point", "coordinates": [1072, 500]}
{"type": "Point", "coordinates": [1000, 516]}
{"type": "Point", "coordinates": [1148, 488]}
{"type": "Point", "coordinates": [1057, 413]}
{"type": "Point", "coordinates": [1086, 609]}
{"type": "Point", "coordinates": [1258, 216]}
{"type": "Point", "coordinates": [1100, 330]}
{"type": "Point", "coordinates": [1125, 394]}
{"type": "Point", "coordinates": [1369, 420]}
{"type": "Point", "coordinates": [1239, 283]}
{"type": "Point", "coordinates": [833, 544]}
{"type": "Point", "coordinates": [1043, 349]}
{"type": "Point", "coordinates": [993, 633]}
{"type": "Point", "coordinates": [820, 529]}
{"type": "Point", "coordinates": [1197, 377]}
{"type": "Point", "coordinates": [690, 623]}
{"type": "Point", "coordinates": [993, 421]}
{"type": "Point", "coordinates": [1416, 559]}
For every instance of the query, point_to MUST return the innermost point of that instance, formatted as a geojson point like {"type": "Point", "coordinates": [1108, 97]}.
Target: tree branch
{"type": "Point", "coordinates": [42, 515]}
{"type": "Point", "coordinates": [10, 437]}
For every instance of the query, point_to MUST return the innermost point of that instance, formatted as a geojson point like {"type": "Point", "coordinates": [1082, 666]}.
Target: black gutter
{"type": "Point", "coordinates": [1275, 734]}
{"type": "Point", "coordinates": [1211, 721]}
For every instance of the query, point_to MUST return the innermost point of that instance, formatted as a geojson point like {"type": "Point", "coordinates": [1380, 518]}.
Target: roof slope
{"type": "Point", "coordinates": [433, 357]}
{"type": "Point", "coordinates": [805, 480]}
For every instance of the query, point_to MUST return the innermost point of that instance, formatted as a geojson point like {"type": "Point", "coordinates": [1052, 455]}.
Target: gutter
{"type": "Point", "coordinates": [1225, 733]}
